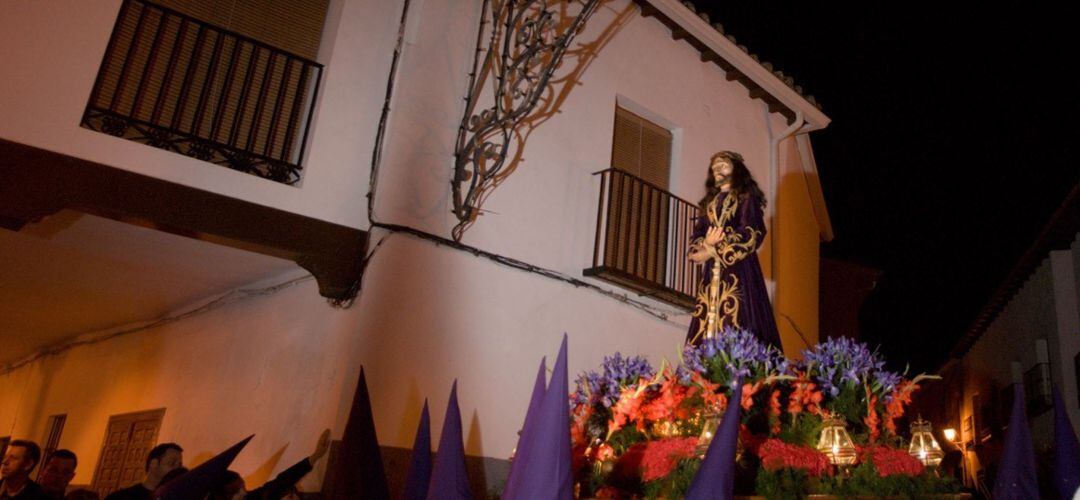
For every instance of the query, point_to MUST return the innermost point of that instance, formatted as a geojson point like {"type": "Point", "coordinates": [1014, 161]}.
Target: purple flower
{"type": "Point", "coordinates": [841, 363]}
{"type": "Point", "coordinates": [617, 373]}
{"type": "Point", "coordinates": [734, 353]}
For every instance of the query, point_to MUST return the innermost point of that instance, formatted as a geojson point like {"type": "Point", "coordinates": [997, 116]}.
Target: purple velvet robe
{"type": "Point", "coordinates": [744, 234]}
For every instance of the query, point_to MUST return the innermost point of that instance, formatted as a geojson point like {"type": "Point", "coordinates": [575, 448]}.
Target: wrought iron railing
{"type": "Point", "coordinates": [642, 238]}
{"type": "Point", "coordinates": [174, 82]}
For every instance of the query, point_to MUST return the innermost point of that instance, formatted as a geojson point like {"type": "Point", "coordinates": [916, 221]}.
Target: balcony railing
{"type": "Point", "coordinates": [177, 83]}
{"type": "Point", "coordinates": [642, 238]}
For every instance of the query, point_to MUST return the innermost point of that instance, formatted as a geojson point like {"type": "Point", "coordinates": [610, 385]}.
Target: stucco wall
{"type": "Point", "coordinates": [281, 366]}
{"type": "Point", "coordinates": [53, 51]}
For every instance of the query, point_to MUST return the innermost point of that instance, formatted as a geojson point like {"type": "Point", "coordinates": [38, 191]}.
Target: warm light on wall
{"type": "Point", "coordinates": [950, 434]}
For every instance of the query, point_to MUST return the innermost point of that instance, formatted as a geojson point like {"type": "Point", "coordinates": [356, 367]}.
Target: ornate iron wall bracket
{"type": "Point", "coordinates": [525, 47]}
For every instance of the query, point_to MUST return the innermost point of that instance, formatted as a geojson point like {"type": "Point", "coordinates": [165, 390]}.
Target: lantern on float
{"type": "Point", "coordinates": [835, 442]}
{"type": "Point", "coordinates": [923, 445]}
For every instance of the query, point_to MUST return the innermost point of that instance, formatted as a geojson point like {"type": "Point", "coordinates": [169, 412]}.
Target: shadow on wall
{"type": "Point", "coordinates": [579, 58]}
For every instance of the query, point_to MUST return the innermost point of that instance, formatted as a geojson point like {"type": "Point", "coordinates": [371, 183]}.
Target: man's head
{"type": "Point", "coordinates": [58, 471]}
{"type": "Point", "coordinates": [21, 458]}
{"type": "Point", "coordinates": [162, 459]}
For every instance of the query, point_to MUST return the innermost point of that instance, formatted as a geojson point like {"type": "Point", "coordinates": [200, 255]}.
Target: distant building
{"type": "Point", "coordinates": [1028, 332]}
{"type": "Point", "coordinates": [845, 286]}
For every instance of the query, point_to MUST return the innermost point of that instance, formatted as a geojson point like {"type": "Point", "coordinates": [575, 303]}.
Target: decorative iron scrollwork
{"type": "Point", "coordinates": [525, 47]}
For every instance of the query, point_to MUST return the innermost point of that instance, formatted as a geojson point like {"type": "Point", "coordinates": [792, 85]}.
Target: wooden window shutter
{"type": "Point", "coordinates": [291, 25]}
{"type": "Point", "coordinates": [638, 215]}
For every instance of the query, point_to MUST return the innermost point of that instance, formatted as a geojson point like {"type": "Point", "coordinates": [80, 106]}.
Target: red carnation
{"type": "Point", "coordinates": [662, 456]}
{"type": "Point", "coordinates": [776, 454]}
{"type": "Point", "coordinates": [891, 461]}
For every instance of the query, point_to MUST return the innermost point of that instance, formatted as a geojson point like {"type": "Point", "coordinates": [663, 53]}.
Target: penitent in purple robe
{"type": "Point", "coordinates": [743, 298]}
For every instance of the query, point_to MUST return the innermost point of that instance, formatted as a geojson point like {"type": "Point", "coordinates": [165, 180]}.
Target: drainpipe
{"type": "Point", "coordinates": [774, 175]}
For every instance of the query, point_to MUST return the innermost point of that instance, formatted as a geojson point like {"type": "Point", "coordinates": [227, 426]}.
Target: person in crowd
{"type": "Point", "coordinates": [57, 473]}
{"type": "Point", "coordinates": [232, 487]}
{"type": "Point", "coordinates": [161, 460]}
{"type": "Point", "coordinates": [19, 461]}
{"type": "Point", "coordinates": [82, 494]}
{"type": "Point", "coordinates": [291, 493]}
{"type": "Point", "coordinates": [173, 474]}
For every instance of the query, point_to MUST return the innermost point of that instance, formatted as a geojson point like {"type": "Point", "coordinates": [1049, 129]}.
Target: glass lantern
{"type": "Point", "coordinates": [923, 445]}
{"type": "Point", "coordinates": [708, 432]}
{"type": "Point", "coordinates": [835, 442]}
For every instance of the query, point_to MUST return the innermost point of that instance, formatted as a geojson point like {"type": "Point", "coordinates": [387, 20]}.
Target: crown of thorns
{"type": "Point", "coordinates": [731, 155]}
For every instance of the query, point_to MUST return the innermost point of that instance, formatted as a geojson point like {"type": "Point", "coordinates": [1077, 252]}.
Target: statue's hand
{"type": "Point", "coordinates": [714, 236]}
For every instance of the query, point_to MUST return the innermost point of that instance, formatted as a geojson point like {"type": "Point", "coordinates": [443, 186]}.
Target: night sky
{"type": "Point", "coordinates": [953, 140]}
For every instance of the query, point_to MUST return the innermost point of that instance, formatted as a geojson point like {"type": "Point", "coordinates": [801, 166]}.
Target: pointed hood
{"type": "Point", "coordinates": [1016, 471]}
{"type": "Point", "coordinates": [513, 480]}
{"type": "Point", "coordinates": [361, 474]}
{"type": "Point", "coordinates": [715, 478]}
{"type": "Point", "coordinates": [1066, 451]}
{"type": "Point", "coordinates": [449, 480]}
{"type": "Point", "coordinates": [545, 471]}
{"type": "Point", "coordinates": [416, 483]}
{"type": "Point", "coordinates": [198, 482]}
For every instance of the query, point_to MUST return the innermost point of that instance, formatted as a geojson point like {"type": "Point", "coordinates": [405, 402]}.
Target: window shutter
{"type": "Point", "coordinates": [655, 154]}
{"type": "Point", "coordinates": [626, 146]}
{"type": "Point", "coordinates": [291, 25]}
{"type": "Point", "coordinates": [638, 212]}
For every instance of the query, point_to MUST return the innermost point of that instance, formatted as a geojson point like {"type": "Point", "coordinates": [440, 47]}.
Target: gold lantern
{"type": "Point", "coordinates": [923, 445]}
{"type": "Point", "coordinates": [835, 442]}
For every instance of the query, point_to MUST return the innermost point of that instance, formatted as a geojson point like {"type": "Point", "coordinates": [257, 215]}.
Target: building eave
{"type": "Point", "coordinates": [736, 62]}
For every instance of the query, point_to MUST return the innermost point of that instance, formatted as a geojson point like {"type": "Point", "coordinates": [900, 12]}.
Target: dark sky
{"type": "Point", "coordinates": [954, 138]}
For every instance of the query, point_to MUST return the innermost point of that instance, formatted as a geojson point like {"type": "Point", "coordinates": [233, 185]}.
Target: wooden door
{"type": "Point", "coordinates": [128, 439]}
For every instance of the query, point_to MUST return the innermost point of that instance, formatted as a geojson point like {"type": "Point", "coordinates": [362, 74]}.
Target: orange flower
{"type": "Point", "coordinates": [627, 410]}
{"type": "Point", "coordinates": [580, 416]}
{"type": "Point", "coordinates": [901, 397]}
{"type": "Point", "coordinates": [805, 397]}
{"type": "Point", "coordinates": [667, 403]}
{"type": "Point", "coordinates": [774, 412]}
{"type": "Point", "coordinates": [748, 392]}
{"type": "Point", "coordinates": [715, 400]}
{"type": "Point", "coordinates": [871, 419]}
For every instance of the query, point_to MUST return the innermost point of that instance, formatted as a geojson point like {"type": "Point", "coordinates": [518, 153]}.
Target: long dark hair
{"type": "Point", "coordinates": [742, 182]}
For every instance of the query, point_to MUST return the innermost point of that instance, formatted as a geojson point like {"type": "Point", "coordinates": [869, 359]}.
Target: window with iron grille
{"type": "Point", "coordinates": [231, 82]}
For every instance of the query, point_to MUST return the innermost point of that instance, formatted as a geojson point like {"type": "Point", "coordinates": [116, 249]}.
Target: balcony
{"type": "Point", "coordinates": [642, 238]}
{"type": "Point", "coordinates": [174, 82]}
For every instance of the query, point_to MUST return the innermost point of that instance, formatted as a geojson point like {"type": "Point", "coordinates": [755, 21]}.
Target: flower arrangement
{"type": "Point", "coordinates": [639, 431]}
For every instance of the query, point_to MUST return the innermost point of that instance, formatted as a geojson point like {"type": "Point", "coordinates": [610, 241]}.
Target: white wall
{"type": "Point", "coordinates": [52, 52]}
{"type": "Point", "coordinates": [1065, 265]}
{"type": "Point", "coordinates": [545, 212]}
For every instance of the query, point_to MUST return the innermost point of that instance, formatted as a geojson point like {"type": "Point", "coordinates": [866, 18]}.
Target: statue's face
{"type": "Point", "coordinates": [721, 170]}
